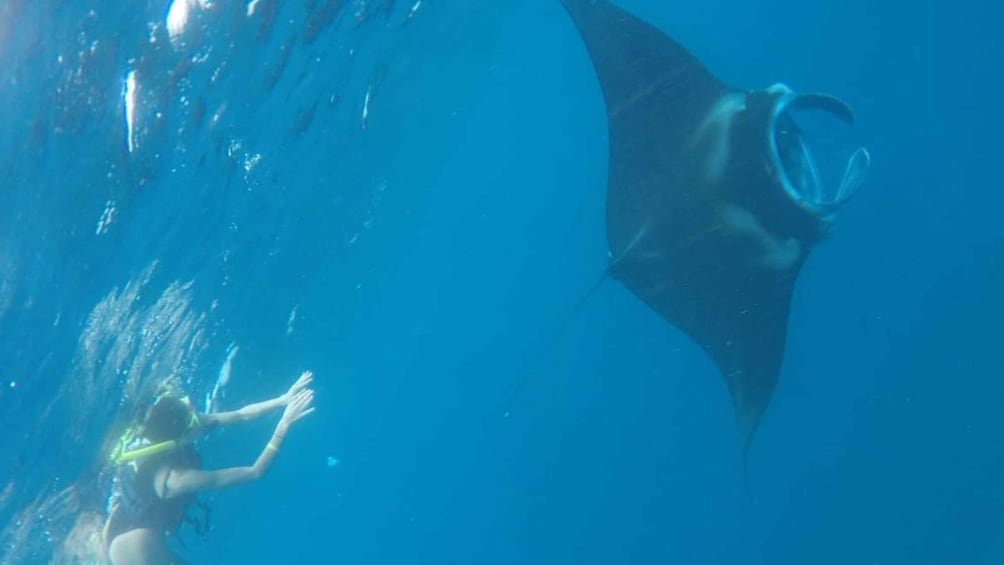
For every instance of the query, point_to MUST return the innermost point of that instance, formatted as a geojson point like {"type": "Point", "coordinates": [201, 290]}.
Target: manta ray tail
{"type": "Point", "coordinates": [566, 320]}
{"type": "Point", "coordinates": [559, 330]}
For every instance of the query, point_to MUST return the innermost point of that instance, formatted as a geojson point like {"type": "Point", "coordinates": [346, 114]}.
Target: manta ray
{"type": "Point", "coordinates": [714, 197]}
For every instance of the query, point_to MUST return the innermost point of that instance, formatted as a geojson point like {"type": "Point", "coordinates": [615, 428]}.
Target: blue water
{"type": "Point", "coordinates": [418, 258]}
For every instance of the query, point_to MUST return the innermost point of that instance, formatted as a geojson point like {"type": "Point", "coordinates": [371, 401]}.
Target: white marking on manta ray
{"type": "Point", "coordinates": [638, 236]}
{"type": "Point", "coordinates": [715, 131]}
{"type": "Point", "coordinates": [778, 254]}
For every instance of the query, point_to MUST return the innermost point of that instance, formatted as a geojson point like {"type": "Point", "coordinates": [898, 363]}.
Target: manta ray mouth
{"type": "Point", "coordinates": [801, 175]}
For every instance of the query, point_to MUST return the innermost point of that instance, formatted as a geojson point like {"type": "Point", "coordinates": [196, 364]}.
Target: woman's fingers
{"type": "Point", "coordinates": [302, 382]}
{"type": "Point", "coordinates": [299, 405]}
{"type": "Point", "coordinates": [298, 415]}
{"type": "Point", "coordinates": [303, 399]}
{"type": "Point", "coordinates": [305, 378]}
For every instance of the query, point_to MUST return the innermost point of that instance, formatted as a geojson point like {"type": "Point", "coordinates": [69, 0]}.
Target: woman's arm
{"type": "Point", "coordinates": [245, 414]}
{"type": "Point", "coordinates": [258, 409]}
{"type": "Point", "coordinates": [178, 482]}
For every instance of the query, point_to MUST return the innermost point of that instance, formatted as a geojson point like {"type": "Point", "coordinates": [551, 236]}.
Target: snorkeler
{"type": "Point", "coordinates": [153, 499]}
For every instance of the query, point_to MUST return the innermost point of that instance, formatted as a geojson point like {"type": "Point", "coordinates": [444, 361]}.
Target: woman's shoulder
{"type": "Point", "coordinates": [181, 458]}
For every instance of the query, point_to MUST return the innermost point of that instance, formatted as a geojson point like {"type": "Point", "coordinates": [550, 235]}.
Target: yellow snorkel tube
{"type": "Point", "coordinates": [142, 452]}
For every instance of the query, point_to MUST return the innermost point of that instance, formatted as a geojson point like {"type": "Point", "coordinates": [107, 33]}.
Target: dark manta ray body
{"type": "Point", "coordinates": [714, 199]}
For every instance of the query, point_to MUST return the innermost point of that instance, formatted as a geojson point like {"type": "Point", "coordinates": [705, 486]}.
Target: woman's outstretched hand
{"type": "Point", "coordinates": [298, 407]}
{"type": "Point", "coordinates": [301, 384]}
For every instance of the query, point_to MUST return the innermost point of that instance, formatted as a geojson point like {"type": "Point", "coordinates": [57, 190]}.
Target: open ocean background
{"type": "Point", "coordinates": [407, 198]}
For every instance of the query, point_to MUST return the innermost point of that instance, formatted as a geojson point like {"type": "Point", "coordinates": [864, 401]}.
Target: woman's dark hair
{"type": "Point", "coordinates": [167, 419]}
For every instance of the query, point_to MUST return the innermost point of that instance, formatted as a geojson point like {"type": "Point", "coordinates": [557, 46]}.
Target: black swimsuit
{"type": "Point", "coordinates": [139, 506]}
